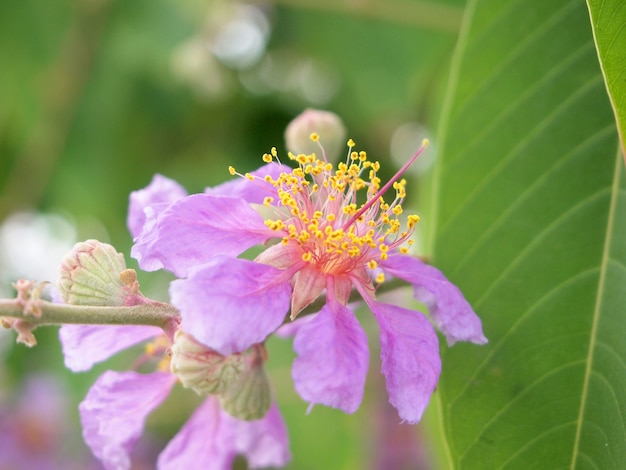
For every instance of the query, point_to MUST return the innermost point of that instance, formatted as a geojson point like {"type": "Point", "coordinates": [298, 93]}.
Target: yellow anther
{"type": "Point", "coordinates": [330, 217]}
{"type": "Point", "coordinates": [274, 152]}
{"type": "Point", "coordinates": [267, 158]}
{"type": "Point", "coordinates": [268, 200]}
{"type": "Point", "coordinates": [164, 364]}
{"type": "Point", "coordinates": [412, 220]}
{"type": "Point", "coordinates": [351, 143]}
{"type": "Point", "coordinates": [354, 251]}
{"type": "Point", "coordinates": [404, 250]}
{"type": "Point", "coordinates": [349, 209]}
{"type": "Point", "coordinates": [380, 278]}
{"type": "Point", "coordinates": [232, 171]}
{"type": "Point", "coordinates": [397, 210]}
{"type": "Point", "coordinates": [308, 256]}
{"type": "Point", "coordinates": [372, 264]}
{"type": "Point", "coordinates": [249, 176]}
{"type": "Point", "coordinates": [314, 137]}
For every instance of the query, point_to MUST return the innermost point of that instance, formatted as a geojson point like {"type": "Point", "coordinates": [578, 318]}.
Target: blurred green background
{"type": "Point", "coordinates": [96, 96]}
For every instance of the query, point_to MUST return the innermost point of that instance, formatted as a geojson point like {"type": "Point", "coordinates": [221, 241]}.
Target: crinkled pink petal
{"type": "Point", "coordinates": [160, 190]}
{"type": "Point", "coordinates": [308, 286]}
{"type": "Point", "coordinates": [280, 256]}
{"type": "Point", "coordinates": [290, 329]}
{"type": "Point", "coordinates": [264, 442]}
{"type": "Point", "coordinates": [332, 361]}
{"type": "Point", "coordinates": [252, 191]}
{"type": "Point", "coordinates": [410, 358]}
{"type": "Point", "coordinates": [196, 228]}
{"type": "Point", "coordinates": [85, 345]}
{"type": "Point", "coordinates": [205, 441]}
{"type": "Point", "coordinates": [212, 439]}
{"type": "Point", "coordinates": [229, 304]}
{"type": "Point", "coordinates": [450, 312]}
{"type": "Point", "coordinates": [114, 412]}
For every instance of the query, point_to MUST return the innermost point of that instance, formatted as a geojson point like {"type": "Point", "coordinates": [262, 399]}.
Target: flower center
{"type": "Point", "coordinates": [319, 211]}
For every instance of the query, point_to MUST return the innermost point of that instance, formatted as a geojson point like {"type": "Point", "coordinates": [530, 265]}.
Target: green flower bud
{"type": "Point", "coordinates": [94, 273]}
{"type": "Point", "coordinates": [249, 398]}
{"type": "Point", "coordinates": [328, 126]}
{"type": "Point", "coordinates": [201, 369]}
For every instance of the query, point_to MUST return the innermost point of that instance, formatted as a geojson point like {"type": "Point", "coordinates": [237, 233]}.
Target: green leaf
{"type": "Point", "coordinates": [531, 225]}
{"type": "Point", "coordinates": [608, 21]}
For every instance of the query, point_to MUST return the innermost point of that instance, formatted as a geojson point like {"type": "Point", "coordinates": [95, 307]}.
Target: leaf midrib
{"type": "Point", "coordinates": [598, 304]}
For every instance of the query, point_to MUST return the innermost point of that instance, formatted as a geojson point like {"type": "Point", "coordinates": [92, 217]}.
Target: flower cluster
{"type": "Point", "coordinates": [237, 417]}
{"type": "Point", "coordinates": [324, 230]}
{"type": "Point", "coordinates": [326, 233]}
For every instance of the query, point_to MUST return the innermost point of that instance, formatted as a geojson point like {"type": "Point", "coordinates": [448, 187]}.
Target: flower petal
{"type": "Point", "coordinates": [332, 359]}
{"type": "Point", "coordinates": [160, 190]}
{"type": "Point", "coordinates": [229, 304]}
{"type": "Point", "coordinates": [115, 409]}
{"type": "Point", "coordinates": [196, 228]}
{"type": "Point", "coordinates": [264, 442]}
{"type": "Point", "coordinates": [410, 358]}
{"type": "Point", "coordinates": [204, 441]}
{"type": "Point", "coordinates": [252, 191]}
{"type": "Point", "coordinates": [85, 345]}
{"type": "Point", "coordinates": [450, 312]}
{"type": "Point", "coordinates": [290, 329]}
{"type": "Point", "coordinates": [308, 286]}
{"type": "Point", "coordinates": [212, 439]}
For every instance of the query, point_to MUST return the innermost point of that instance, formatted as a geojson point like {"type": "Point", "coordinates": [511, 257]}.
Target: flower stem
{"type": "Point", "coordinates": [151, 314]}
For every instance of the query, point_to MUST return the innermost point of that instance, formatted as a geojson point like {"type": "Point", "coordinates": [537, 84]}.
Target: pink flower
{"type": "Point", "coordinates": [114, 411]}
{"type": "Point", "coordinates": [324, 230]}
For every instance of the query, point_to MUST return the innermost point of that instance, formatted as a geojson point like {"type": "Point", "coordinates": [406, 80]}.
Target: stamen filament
{"type": "Point", "coordinates": [389, 183]}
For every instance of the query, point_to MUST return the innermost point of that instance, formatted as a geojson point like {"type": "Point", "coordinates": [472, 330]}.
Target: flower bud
{"type": "Point", "coordinates": [94, 273]}
{"type": "Point", "coordinates": [328, 126]}
{"type": "Point", "coordinates": [201, 369]}
{"type": "Point", "coordinates": [249, 398]}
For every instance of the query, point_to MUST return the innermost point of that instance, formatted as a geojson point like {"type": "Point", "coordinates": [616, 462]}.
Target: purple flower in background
{"type": "Point", "coordinates": [324, 230]}
{"type": "Point", "coordinates": [35, 428]}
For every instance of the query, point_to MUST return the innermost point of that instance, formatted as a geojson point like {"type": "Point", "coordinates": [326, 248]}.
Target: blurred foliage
{"type": "Point", "coordinates": [96, 96]}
